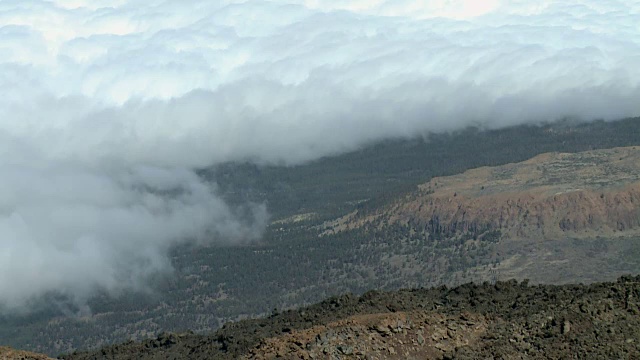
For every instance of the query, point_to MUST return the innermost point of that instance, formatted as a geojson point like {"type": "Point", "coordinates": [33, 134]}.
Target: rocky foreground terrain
{"type": "Point", "coordinates": [505, 320]}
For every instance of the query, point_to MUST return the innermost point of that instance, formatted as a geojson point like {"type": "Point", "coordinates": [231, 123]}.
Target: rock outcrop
{"type": "Point", "coordinates": [550, 196]}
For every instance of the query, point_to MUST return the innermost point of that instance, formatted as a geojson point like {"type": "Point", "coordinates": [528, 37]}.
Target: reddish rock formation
{"type": "Point", "coordinates": [550, 196]}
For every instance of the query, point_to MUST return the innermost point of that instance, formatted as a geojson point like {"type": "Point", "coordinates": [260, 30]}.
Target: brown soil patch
{"type": "Point", "coordinates": [7, 353]}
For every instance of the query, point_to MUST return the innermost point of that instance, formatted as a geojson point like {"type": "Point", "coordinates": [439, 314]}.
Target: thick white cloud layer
{"type": "Point", "coordinates": [107, 106]}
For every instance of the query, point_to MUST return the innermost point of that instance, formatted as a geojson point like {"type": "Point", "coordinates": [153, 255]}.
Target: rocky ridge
{"type": "Point", "coordinates": [550, 196]}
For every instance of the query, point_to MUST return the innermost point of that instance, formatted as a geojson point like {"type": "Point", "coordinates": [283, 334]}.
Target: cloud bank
{"type": "Point", "coordinates": [106, 107]}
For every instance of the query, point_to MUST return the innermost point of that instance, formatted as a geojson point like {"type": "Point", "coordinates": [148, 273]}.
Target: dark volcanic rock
{"type": "Point", "coordinates": [507, 320]}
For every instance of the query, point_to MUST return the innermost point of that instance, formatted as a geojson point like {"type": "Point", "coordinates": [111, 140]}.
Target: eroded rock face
{"type": "Point", "coordinates": [549, 196]}
{"type": "Point", "coordinates": [530, 213]}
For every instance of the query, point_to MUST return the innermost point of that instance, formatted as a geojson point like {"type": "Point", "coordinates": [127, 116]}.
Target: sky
{"type": "Point", "coordinates": [107, 107]}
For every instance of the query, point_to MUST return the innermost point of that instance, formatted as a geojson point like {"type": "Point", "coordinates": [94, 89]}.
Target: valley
{"type": "Point", "coordinates": [472, 206]}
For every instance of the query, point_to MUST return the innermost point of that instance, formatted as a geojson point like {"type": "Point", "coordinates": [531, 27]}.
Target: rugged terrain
{"type": "Point", "coordinates": [550, 196]}
{"type": "Point", "coordinates": [352, 223]}
{"type": "Point", "coordinates": [558, 217]}
{"type": "Point", "coordinates": [507, 320]}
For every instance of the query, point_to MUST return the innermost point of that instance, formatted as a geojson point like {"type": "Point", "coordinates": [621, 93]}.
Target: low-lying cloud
{"type": "Point", "coordinates": [69, 230]}
{"type": "Point", "coordinates": [106, 107]}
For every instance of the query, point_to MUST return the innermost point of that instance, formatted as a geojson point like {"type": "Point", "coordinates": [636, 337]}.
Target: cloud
{"type": "Point", "coordinates": [108, 106]}
{"type": "Point", "coordinates": [69, 231]}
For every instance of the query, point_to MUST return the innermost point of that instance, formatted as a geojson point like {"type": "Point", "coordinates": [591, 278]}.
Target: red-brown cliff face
{"type": "Point", "coordinates": [549, 196]}
{"type": "Point", "coordinates": [529, 213]}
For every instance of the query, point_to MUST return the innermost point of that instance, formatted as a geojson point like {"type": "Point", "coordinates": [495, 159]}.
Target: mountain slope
{"type": "Point", "coordinates": [291, 266]}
